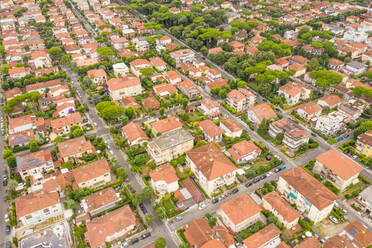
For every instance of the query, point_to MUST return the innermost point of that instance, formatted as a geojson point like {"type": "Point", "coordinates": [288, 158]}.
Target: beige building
{"type": "Point", "coordinates": [211, 167]}
{"type": "Point", "coordinates": [74, 148]}
{"type": "Point", "coordinates": [123, 87]}
{"type": "Point", "coordinates": [92, 175]}
{"type": "Point", "coordinates": [337, 168]}
{"type": "Point", "coordinates": [168, 146]}
{"type": "Point", "coordinates": [312, 198]}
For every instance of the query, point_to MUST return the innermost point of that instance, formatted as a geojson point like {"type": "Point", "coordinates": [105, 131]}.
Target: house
{"type": "Point", "coordinates": [240, 99]}
{"type": "Point", "coordinates": [267, 237]}
{"type": "Point", "coordinates": [164, 89]}
{"type": "Point", "coordinates": [244, 151]}
{"type": "Point", "coordinates": [352, 113]}
{"type": "Point", "coordinates": [293, 135]}
{"type": "Point", "coordinates": [150, 103]}
{"type": "Point", "coordinates": [100, 201]}
{"type": "Point", "coordinates": [261, 112]}
{"type": "Point", "coordinates": [130, 101]}
{"type": "Point", "coordinates": [74, 148]}
{"type": "Point", "coordinates": [20, 124]}
{"type": "Point", "coordinates": [365, 200]}
{"type": "Point", "coordinates": [92, 175]}
{"type": "Point", "coordinates": [294, 92]}
{"type": "Point", "coordinates": [330, 124]}
{"type": "Point", "coordinates": [309, 110]}
{"type": "Point", "coordinates": [183, 56]}
{"type": "Point", "coordinates": [64, 109]}
{"type": "Point", "coordinates": [198, 232]}
{"type": "Point", "coordinates": [335, 64]}
{"type": "Point", "coordinates": [18, 72]}
{"type": "Point", "coordinates": [337, 168]}
{"type": "Point", "coordinates": [189, 89]}
{"type": "Point", "coordinates": [237, 46]}
{"type": "Point", "coordinates": [134, 134]}
{"type": "Point", "coordinates": [173, 77]}
{"type": "Point", "coordinates": [111, 226]}
{"type": "Point", "coordinates": [34, 163]}
{"type": "Point", "coordinates": [330, 101]}
{"type": "Point", "coordinates": [120, 43]}
{"type": "Point", "coordinates": [41, 87]}
{"type": "Point", "coordinates": [309, 242]}
{"type": "Point", "coordinates": [209, 107]}
{"type": "Point", "coordinates": [40, 59]}
{"type": "Point", "coordinates": [230, 128]}
{"type": "Point", "coordinates": [123, 87]}
{"type": "Point", "coordinates": [358, 234]}
{"type": "Point", "coordinates": [164, 179]}
{"type": "Point", "coordinates": [211, 167]}
{"type": "Point", "coordinates": [98, 76]}
{"type": "Point", "coordinates": [364, 144]}
{"type": "Point", "coordinates": [120, 69]}
{"type": "Point", "coordinates": [311, 197]}
{"type": "Point", "coordinates": [170, 145]}
{"type": "Point", "coordinates": [158, 63]}
{"type": "Point", "coordinates": [61, 126]}
{"type": "Point", "coordinates": [355, 68]}
{"type": "Point", "coordinates": [239, 213]}
{"type": "Point", "coordinates": [138, 64]}
{"type": "Point", "coordinates": [22, 138]}
{"type": "Point", "coordinates": [165, 125]}
{"type": "Point", "coordinates": [10, 94]}
{"type": "Point", "coordinates": [211, 131]}
{"type": "Point", "coordinates": [35, 208]}
{"type": "Point", "coordinates": [299, 69]}
{"type": "Point", "coordinates": [285, 213]}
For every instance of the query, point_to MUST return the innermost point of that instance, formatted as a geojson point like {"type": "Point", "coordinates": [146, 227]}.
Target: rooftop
{"type": "Point", "coordinates": [171, 139]}
{"type": "Point", "coordinates": [260, 238]}
{"type": "Point", "coordinates": [281, 206]}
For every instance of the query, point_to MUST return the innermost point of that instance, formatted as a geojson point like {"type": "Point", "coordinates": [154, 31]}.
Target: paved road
{"type": "Point", "coordinates": [3, 206]}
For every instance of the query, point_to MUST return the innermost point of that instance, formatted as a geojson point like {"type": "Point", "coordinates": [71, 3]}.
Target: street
{"type": "Point", "coordinates": [3, 206]}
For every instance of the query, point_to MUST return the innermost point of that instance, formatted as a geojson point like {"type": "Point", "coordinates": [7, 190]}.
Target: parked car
{"type": "Point", "coordinates": [215, 200]}
{"type": "Point", "coordinates": [247, 185]}
{"type": "Point", "coordinates": [7, 229]}
{"type": "Point", "coordinates": [133, 241]}
{"type": "Point", "coordinates": [143, 208]}
{"type": "Point", "coordinates": [313, 134]}
{"type": "Point", "coordinates": [256, 180]}
{"type": "Point", "coordinates": [234, 191]}
{"type": "Point", "coordinates": [201, 206]}
{"type": "Point", "coordinates": [178, 218]}
{"type": "Point", "coordinates": [277, 170]}
{"type": "Point", "coordinates": [146, 235]}
{"type": "Point", "coordinates": [268, 157]}
{"type": "Point", "coordinates": [263, 177]}
{"type": "Point", "coordinates": [333, 219]}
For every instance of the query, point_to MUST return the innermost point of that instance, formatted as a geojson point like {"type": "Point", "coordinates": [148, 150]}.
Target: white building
{"type": "Point", "coordinates": [164, 179]}
{"type": "Point", "coordinates": [120, 69]}
{"type": "Point", "coordinates": [330, 124]}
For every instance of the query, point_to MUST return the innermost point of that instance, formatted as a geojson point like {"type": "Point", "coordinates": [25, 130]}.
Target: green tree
{"type": "Point", "coordinates": [12, 184]}
{"type": "Point", "coordinates": [71, 204]}
{"type": "Point", "coordinates": [147, 71]}
{"type": "Point", "coordinates": [122, 173]}
{"type": "Point", "coordinates": [136, 199]}
{"type": "Point", "coordinates": [147, 193]}
{"type": "Point", "coordinates": [55, 53]}
{"type": "Point", "coordinates": [11, 161]}
{"type": "Point", "coordinates": [7, 153]}
{"type": "Point", "coordinates": [105, 52]}
{"type": "Point", "coordinates": [263, 128]}
{"type": "Point", "coordinates": [149, 218]}
{"type": "Point", "coordinates": [34, 146]}
{"type": "Point", "coordinates": [59, 139]}
{"type": "Point", "coordinates": [160, 242]}
{"type": "Point", "coordinates": [159, 212]}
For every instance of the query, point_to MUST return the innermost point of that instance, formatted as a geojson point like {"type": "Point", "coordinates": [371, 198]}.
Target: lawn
{"type": "Point", "coordinates": [259, 167]}
{"type": "Point", "coordinates": [170, 207]}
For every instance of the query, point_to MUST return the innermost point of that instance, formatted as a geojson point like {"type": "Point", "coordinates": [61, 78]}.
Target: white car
{"type": "Point", "coordinates": [123, 245]}
{"type": "Point", "coordinates": [202, 206]}
{"type": "Point", "coordinates": [95, 124]}
{"type": "Point", "coordinates": [333, 219]}
{"type": "Point", "coordinates": [6, 217]}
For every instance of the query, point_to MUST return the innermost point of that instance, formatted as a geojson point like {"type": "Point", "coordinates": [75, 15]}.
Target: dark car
{"type": "Point", "coordinates": [313, 134]}
{"type": "Point", "coordinates": [215, 200]}
{"type": "Point", "coordinates": [256, 180]}
{"type": "Point", "coordinates": [277, 170]}
{"type": "Point", "coordinates": [263, 177]}
{"type": "Point", "coordinates": [143, 208]}
{"type": "Point", "coordinates": [346, 151]}
{"type": "Point", "coordinates": [268, 157]}
{"type": "Point", "coordinates": [146, 235]}
{"type": "Point", "coordinates": [248, 184]}
{"type": "Point", "coordinates": [7, 229]}
{"type": "Point", "coordinates": [5, 182]}
{"type": "Point", "coordinates": [234, 191]}
{"type": "Point", "coordinates": [133, 241]}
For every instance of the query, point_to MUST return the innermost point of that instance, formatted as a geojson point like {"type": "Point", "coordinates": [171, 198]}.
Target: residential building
{"type": "Point", "coordinates": [211, 131]}
{"type": "Point", "coordinates": [22, 138]}
{"type": "Point", "coordinates": [20, 124]}
{"type": "Point", "coordinates": [120, 69]}
{"type": "Point", "coordinates": [34, 163]}
{"type": "Point", "coordinates": [165, 125]}
{"type": "Point", "coordinates": [35, 208]}
{"type": "Point", "coordinates": [92, 175]}
{"type": "Point", "coordinates": [261, 112]}
{"type": "Point", "coordinates": [294, 92]}
{"type": "Point", "coordinates": [74, 148]}
{"type": "Point", "coordinates": [98, 76]}
{"type": "Point", "coordinates": [150, 103]}
{"type": "Point", "coordinates": [337, 168]}
{"type": "Point", "coordinates": [134, 134]}
{"type": "Point", "coordinates": [164, 89]}
{"type": "Point", "coordinates": [309, 110]}
{"type": "Point", "coordinates": [355, 68]}
{"type": "Point", "coordinates": [189, 89]}
{"type": "Point", "coordinates": [244, 151]}
{"type": "Point", "coordinates": [299, 69]}
{"type": "Point", "coordinates": [358, 234]}
{"type": "Point", "coordinates": [330, 124]}
{"type": "Point", "coordinates": [364, 144]}
{"type": "Point", "coordinates": [309, 242]}
{"type": "Point", "coordinates": [158, 63]}
{"type": "Point", "coordinates": [312, 198]}
{"type": "Point", "coordinates": [293, 135]}
{"type": "Point", "coordinates": [198, 232]}
{"type": "Point", "coordinates": [365, 200]}
{"type": "Point", "coordinates": [268, 237]}
{"type": "Point", "coordinates": [183, 56]}
{"type": "Point", "coordinates": [111, 226]}
{"type": "Point", "coordinates": [240, 99]}
{"type": "Point", "coordinates": [239, 213]}
{"type": "Point", "coordinates": [62, 125]}
{"type": "Point", "coordinates": [124, 87]}
{"type": "Point", "coordinates": [164, 179]}
{"type": "Point", "coordinates": [352, 113]}
{"type": "Point", "coordinates": [285, 213]}
{"type": "Point", "coordinates": [168, 146]}
{"type": "Point", "coordinates": [100, 201]}
{"type": "Point", "coordinates": [210, 108]}
{"type": "Point", "coordinates": [330, 101]}
{"type": "Point", "coordinates": [211, 167]}
{"type": "Point", "coordinates": [230, 128]}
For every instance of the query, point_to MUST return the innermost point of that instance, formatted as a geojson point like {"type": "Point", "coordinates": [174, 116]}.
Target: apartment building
{"type": "Point", "coordinates": [294, 92]}
{"type": "Point", "coordinates": [74, 148]}
{"type": "Point", "coordinates": [211, 167]}
{"type": "Point", "coordinates": [211, 131]}
{"type": "Point", "coordinates": [134, 134]}
{"type": "Point", "coordinates": [261, 112]}
{"type": "Point", "coordinates": [100, 201]}
{"type": "Point", "coordinates": [164, 179]}
{"type": "Point", "coordinates": [240, 99]}
{"type": "Point", "coordinates": [337, 168]}
{"type": "Point", "coordinates": [364, 144]}
{"type": "Point", "coordinates": [34, 163]}
{"type": "Point", "coordinates": [20, 124]}
{"type": "Point", "coordinates": [330, 124]}
{"type": "Point", "coordinates": [92, 175]}
{"type": "Point", "coordinates": [309, 110]}
{"type": "Point", "coordinates": [244, 151]}
{"type": "Point", "coordinates": [230, 128]}
{"type": "Point", "coordinates": [210, 108]}
{"type": "Point", "coordinates": [268, 237]}
{"type": "Point", "coordinates": [119, 88]}
{"type": "Point", "coordinates": [189, 89]}
{"type": "Point", "coordinates": [168, 146]}
{"type": "Point", "coordinates": [183, 56]}
{"type": "Point", "coordinates": [165, 125]}
{"type": "Point", "coordinates": [312, 198]}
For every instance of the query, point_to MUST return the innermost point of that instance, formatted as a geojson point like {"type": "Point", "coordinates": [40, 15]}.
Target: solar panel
{"type": "Point", "coordinates": [352, 231]}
